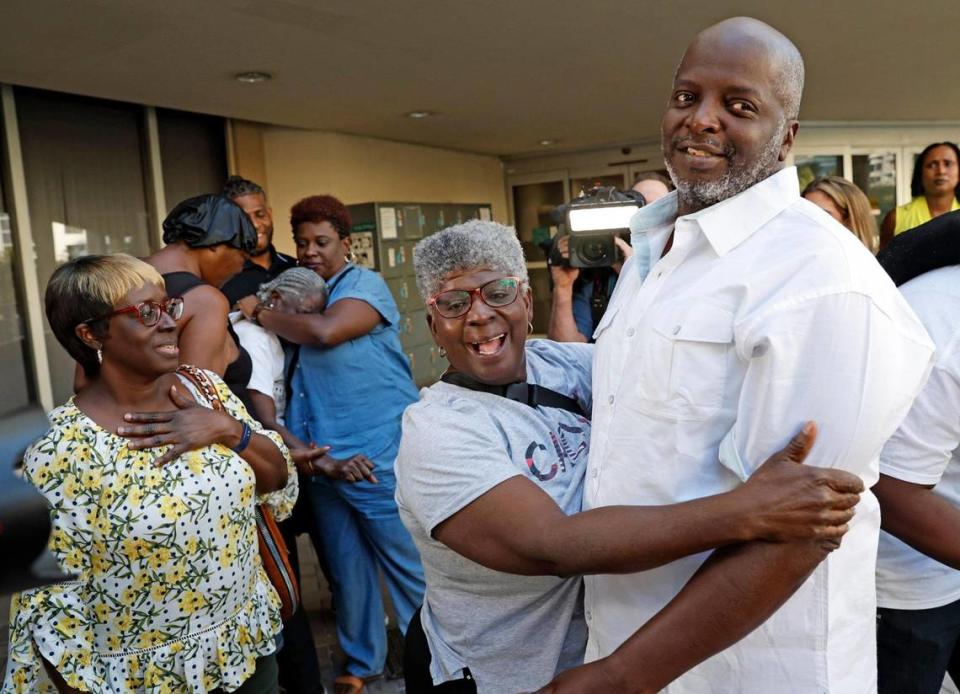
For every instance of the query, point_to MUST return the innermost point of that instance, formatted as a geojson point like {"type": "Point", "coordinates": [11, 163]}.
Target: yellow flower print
{"type": "Point", "coordinates": [243, 635]}
{"type": "Point", "coordinates": [176, 572]}
{"type": "Point", "coordinates": [71, 486]}
{"type": "Point", "coordinates": [172, 507]}
{"type": "Point", "coordinates": [70, 432]}
{"type": "Point", "coordinates": [102, 611]}
{"type": "Point", "coordinates": [195, 462]}
{"type": "Point", "coordinates": [84, 657]}
{"type": "Point", "coordinates": [41, 476]}
{"type": "Point", "coordinates": [133, 548]}
{"type": "Point", "coordinates": [59, 540]}
{"type": "Point", "coordinates": [192, 601]}
{"type": "Point", "coordinates": [20, 680]}
{"type": "Point", "coordinates": [67, 626]}
{"type": "Point", "coordinates": [134, 684]}
{"type": "Point", "coordinates": [99, 564]}
{"type": "Point", "coordinates": [158, 558]}
{"type": "Point", "coordinates": [124, 622]}
{"type": "Point", "coordinates": [176, 647]}
{"type": "Point", "coordinates": [59, 465]}
{"type": "Point", "coordinates": [152, 479]}
{"type": "Point", "coordinates": [74, 559]}
{"type": "Point", "coordinates": [141, 580]}
{"type": "Point", "coordinates": [114, 642]}
{"type": "Point", "coordinates": [90, 479]}
{"type": "Point", "coordinates": [223, 523]}
{"type": "Point", "coordinates": [228, 556]}
{"type": "Point", "coordinates": [191, 546]}
{"type": "Point", "coordinates": [158, 592]}
{"type": "Point", "coordinates": [246, 495]}
{"type": "Point", "coordinates": [135, 496]}
{"type": "Point", "coordinates": [149, 639]}
{"type": "Point", "coordinates": [107, 497]}
{"type": "Point", "coordinates": [128, 596]}
{"type": "Point", "coordinates": [103, 524]}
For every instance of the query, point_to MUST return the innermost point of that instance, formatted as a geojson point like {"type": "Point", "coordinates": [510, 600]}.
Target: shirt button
{"type": "Point", "coordinates": [631, 332]}
{"type": "Point", "coordinates": [594, 473]}
{"type": "Point", "coordinates": [676, 329]}
{"type": "Point", "coordinates": [588, 614]}
{"type": "Point", "coordinates": [610, 400]}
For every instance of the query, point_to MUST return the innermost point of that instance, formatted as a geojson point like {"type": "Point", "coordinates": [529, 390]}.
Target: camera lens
{"type": "Point", "coordinates": [594, 251]}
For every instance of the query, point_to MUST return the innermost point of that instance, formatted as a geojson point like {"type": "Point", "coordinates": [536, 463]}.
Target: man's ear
{"type": "Point", "coordinates": [86, 336]}
{"type": "Point", "coordinates": [788, 140]}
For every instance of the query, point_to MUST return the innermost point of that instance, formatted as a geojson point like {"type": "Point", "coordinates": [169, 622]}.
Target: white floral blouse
{"type": "Point", "coordinates": [170, 594]}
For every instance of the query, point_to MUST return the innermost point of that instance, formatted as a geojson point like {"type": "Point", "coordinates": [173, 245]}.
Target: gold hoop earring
{"type": "Point", "coordinates": [100, 355]}
{"type": "Point", "coordinates": [443, 352]}
{"type": "Point", "coordinates": [529, 327]}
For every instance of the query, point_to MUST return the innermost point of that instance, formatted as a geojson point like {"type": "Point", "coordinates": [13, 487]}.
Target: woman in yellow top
{"type": "Point", "coordinates": [935, 186]}
{"type": "Point", "coordinates": [155, 520]}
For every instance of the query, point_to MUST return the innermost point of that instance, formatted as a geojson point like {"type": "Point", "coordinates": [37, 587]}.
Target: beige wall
{"type": "Point", "coordinates": [299, 163]}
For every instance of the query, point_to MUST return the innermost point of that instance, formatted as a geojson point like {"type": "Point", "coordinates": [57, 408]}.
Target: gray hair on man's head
{"type": "Point", "coordinates": [473, 245]}
{"type": "Point", "coordinates": [297, 286]}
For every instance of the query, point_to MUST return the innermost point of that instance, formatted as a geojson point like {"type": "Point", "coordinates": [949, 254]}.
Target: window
{"type": "Point", "coordinates": [193, 154]}
{"type": "Point", "coordinates": [811, 166]}
{"type": "Point", "coordinates": [15, 362]}
{"type": "Point", "coordinates": [85, 181]}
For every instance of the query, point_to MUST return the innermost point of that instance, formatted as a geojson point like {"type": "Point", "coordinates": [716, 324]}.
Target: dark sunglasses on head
{"type": "Point", "coordinates": [148, 312]}
{"type": "Point", "coordinates": [497, 293]}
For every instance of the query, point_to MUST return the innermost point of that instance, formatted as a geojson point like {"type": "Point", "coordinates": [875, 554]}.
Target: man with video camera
{"type": "Point", "coordinates": [582, 287]}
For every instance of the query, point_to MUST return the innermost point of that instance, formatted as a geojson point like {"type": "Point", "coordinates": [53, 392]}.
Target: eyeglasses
{"type": "Point", "coordinates": [148, 312]}
{"type": "Point", "coordinates": [498, 293]}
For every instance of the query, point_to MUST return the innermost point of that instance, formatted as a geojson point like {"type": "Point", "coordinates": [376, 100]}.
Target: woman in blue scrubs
{"type": "Point", "coordinates": [349, 389]}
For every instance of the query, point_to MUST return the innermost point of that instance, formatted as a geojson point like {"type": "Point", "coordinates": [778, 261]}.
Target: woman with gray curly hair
{"type": "Point", "coordinates": [490, 476]}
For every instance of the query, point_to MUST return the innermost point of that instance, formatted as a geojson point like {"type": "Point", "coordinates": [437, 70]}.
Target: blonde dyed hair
{"type": "Point", "coordinates": [86, 288]}
{"type": "Point", "coordinates": [853, 205]}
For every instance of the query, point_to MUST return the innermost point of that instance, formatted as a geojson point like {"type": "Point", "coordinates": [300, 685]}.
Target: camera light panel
{"type": "Point", "coordinates": [607, 217]}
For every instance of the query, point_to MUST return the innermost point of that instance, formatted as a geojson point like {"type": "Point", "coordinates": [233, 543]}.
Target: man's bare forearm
{"type": "Point", "coordinates": [925, 521]}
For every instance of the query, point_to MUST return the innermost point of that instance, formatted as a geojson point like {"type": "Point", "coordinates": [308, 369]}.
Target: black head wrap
{"type": "Point", "coordinates": [208, 220]}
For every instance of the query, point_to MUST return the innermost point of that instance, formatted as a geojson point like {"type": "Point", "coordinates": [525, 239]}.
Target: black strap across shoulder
{"type": "Point", "coordinates": [529, 394]}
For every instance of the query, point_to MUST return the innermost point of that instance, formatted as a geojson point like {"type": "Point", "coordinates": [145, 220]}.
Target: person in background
{"type": "Point", "coordinates": [349, 389]}
{"type": "Point", "coordinates": [490, 480]}
{"type": "Point", "coordinates": [152, 495]}
{"type": "Point", "coordinates": [935, 188]}
{"type": "Point", "coordinates": [652, 185]}
{"type": "Point", "coordinates": [207, 240]}
{"type": "Point", "coordinates": [265, 262]}
{"type": "Point", "coordinates": [846, 203]}
{"type": "Point", "coordinates": [573, 316]}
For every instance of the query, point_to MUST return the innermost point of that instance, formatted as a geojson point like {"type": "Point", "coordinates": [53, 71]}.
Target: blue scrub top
{"type": "Point", "coordinates": [352, 396]}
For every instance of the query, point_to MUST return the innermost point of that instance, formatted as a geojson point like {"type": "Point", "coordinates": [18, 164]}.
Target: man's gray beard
{"type": "Point", "coordinates": [696, 195]}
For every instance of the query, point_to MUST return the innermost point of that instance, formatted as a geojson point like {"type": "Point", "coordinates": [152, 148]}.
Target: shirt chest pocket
{"type": "Point", "coordinates": [687, 358]}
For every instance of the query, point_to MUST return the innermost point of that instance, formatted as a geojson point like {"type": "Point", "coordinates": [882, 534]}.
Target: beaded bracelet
{"type": "Point", "coordinates": [244, 438]}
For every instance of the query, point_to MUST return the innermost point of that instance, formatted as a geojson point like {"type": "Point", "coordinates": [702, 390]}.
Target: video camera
{"type": "Point", "coordinates": [592, 220]}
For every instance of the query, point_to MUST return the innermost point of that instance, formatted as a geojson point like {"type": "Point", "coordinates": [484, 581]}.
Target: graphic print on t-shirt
{"type": "Point", "coordinates": [565, 449]}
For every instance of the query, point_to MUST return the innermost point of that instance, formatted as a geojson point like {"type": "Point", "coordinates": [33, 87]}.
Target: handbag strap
{"type": "Point", "coordinates": [203, 384]}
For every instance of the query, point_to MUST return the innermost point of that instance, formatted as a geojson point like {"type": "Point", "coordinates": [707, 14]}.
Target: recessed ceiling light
{"type": "Point", "coordinates": [547, 143]}
{"type": "Point", "coordinates": [252, 77]}
{"type": "Point", "coordinates": [419, 114]}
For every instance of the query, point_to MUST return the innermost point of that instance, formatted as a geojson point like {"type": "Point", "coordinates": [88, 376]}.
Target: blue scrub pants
{"type": "Point", "coordinates": [361, 534]}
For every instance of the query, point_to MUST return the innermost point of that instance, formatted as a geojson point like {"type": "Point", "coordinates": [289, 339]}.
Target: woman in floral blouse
{"type": "Point", "coordinates": [155, 519]}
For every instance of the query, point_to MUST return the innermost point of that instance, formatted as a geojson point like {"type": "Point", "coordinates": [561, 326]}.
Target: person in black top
{"type": "Point", "coordinates": [265, 262]}
{"type": "Point", "coordinates": [207, 240]}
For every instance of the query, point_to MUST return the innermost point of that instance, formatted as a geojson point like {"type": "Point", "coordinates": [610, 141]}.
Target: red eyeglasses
{"type": "Point", "coordinates": [148, 312]}
{"type": "Point", "coordinates": [498, 293]}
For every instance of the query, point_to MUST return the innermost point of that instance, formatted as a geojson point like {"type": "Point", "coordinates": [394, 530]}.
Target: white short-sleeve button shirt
{"type": "Point", "coordinates": [766, 313]}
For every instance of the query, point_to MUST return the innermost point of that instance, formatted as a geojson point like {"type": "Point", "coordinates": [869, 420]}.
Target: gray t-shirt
{"type": "Point", "coordinates": [513, 632]}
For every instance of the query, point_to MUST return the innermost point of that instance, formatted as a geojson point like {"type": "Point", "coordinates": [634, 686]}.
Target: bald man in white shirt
{"type": "Point", "coordinates": [744, 313]}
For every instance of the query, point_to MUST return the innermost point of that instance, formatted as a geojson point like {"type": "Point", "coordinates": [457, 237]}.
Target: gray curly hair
{"type": "Point", "coordinates": [463, 247]}
{"type": "Point", "coordinates": [297, 285]}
